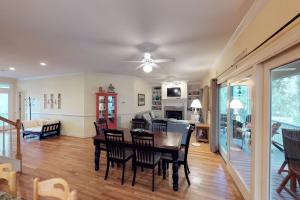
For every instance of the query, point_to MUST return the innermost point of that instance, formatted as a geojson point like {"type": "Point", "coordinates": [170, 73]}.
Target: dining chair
{"type": "Point", "coordinates": [160, 125]}
{"type": "Point", "coordinates": [182, 157]}
{"type": "Point", "coordinates": [56, 187]}
{"type": "Point", "coordinates": [138, 124]}
{"type": "Point", "coordinates": [116, 151]}
{"type": "Point", "coordinates": [144, 155]}
{"type": "Point", "coordinates": [291, 143]}
{"type": "Point", "coordinates": [7, 173]}
{"type": "Point", "coordinates": [100, 126]}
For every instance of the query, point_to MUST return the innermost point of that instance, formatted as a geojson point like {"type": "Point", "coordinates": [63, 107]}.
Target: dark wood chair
{"type": "Point", "coordinates": [182, 157]}
{"type": "Point", "coordinates": [138, 124]}
{"type": "Point", "coordinates": [291, 143]}
{"type": "Point", "coordinates": [144, 156]}
{"type": "Point", "coordinates": [279, 146]}
{"type": "Point", "coordinates": [116, 151]}
{"type": "Point", "coordinates": [160, 125]}
{"type": "Point", "coordinates": [100, 126]}
{"type": "Point", "coordinates": [238, 131]}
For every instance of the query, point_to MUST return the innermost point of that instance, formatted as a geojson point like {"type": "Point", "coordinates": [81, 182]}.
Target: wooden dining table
{"type": "Point", "coordinates": [164, 143]}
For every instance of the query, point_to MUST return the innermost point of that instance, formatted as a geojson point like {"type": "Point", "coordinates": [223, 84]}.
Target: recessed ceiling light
{"type": "Point", "coordinates": [43, 63]}
{"type": "Point", "coordinates": [12, 69]}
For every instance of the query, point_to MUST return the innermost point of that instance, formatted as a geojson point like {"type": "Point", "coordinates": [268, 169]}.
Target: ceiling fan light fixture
{"type": "Point", "coordinates": [147, 68]}
{"type": "Point", "coordinates": [147, 56]}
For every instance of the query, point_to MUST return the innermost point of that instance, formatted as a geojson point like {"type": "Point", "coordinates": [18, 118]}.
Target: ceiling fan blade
{"type": "Point", "coordinates": [155, 65]}
{"type": "Point", "coordinates": [164, 60]}
{"type": "Point", "coordinates": [132, 61]}
{"type": "Point", "coordinates": [140, 66]}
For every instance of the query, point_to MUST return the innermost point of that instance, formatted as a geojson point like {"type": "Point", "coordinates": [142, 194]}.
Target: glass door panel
{"type": "Point", "coordinates": [285, 115]}
{"type": "Point", "coordinates": [102, 107]}
{"type": "Point", "coordinates": [223, 120]}
{"type": "Point", "coordinates": [240, 128]}
{"type": "Point", "coordinates": [4, 107]}
{"type": "Point", "coordinates": [111, 109]}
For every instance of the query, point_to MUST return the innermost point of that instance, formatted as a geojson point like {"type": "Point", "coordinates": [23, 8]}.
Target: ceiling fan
{"type": "Point", "coordinates": [147, 63]}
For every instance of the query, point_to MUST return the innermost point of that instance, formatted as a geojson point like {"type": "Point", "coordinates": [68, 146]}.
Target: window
{"type": "Point", "coordinates": [3, 106]}
{"type": "Point", "coordinates": [4, 86]}
{"type": "Point", "coordinates": [285, 117]}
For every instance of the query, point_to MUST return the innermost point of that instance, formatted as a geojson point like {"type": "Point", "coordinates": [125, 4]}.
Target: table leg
{"type": "Point", "coordinates": [175, 171]}
{"type": "Point", "coordinates": [97, 156]}
{"type": "Point", "coordinates": [164, 166]}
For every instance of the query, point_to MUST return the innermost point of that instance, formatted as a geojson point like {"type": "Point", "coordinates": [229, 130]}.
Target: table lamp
{"type": "Point", "coordinates": [196, 104]}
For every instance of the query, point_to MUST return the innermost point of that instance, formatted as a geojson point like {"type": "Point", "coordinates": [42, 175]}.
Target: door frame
{"type": "Point", "coordinates": [223, 153]}
{"type": "Point", "coordinates": [234, 77]}
{"type": "Point", "coordinates": [286, 57]}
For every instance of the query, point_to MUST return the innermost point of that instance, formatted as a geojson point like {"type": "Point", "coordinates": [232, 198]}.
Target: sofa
{"type": "Point", "coordinates": [174, 125]}
{"type": "Point", "coordinates": [42, 128]}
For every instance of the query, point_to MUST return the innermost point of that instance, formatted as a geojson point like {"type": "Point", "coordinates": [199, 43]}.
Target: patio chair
{"type": "Point", "coordinates": [291, 143]}
{"type": "Point", "coordinates": [238, 132]}
{"type": "Point", "coordinates": [275, 128]}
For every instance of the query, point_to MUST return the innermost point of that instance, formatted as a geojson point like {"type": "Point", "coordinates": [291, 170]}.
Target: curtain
{"type": "Point", "coordinates": [205, 104]}
{"type": "Point", "coordinates": [213, 135]}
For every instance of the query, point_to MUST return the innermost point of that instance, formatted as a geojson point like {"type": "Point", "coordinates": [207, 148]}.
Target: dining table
{"type": "Point", "coordinates": [169, 143]}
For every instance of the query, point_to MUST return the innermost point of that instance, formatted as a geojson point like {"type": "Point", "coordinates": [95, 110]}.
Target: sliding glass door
{"type": "Point", "coordinates": [223, 147]}
{"type": "Point", "coordinates": [235, 129]}
{"type": "Point", "coordinates": [285, 119]}
{"type": "Point", "coordinates": [240, 133]}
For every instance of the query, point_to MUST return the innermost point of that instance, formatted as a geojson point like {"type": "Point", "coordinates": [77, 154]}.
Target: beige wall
{"type": "Point", "coordinates": [79, 102]}
{"type": "Point", "coordinates": [127, 88]}
{"type": "Point", "coordinates": [271, 17]}
{"type": "Point", "coordinates": [72, 91]}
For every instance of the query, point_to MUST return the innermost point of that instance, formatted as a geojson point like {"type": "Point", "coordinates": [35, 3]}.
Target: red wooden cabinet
{"type": "Point", "coordinates": [106, 107]}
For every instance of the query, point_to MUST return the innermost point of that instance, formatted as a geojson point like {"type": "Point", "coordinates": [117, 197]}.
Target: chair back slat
{"type": "Point", "coordinates": [291, 144]}
{"type": "Point", "coordinates": [187, 145]}
{"type": "Point", "coordinates": [138, 124]}
{"type": "Point", "coordinates": [143, 144]}
{"type": "Point", "coordinates": [100, 125]}
{"type": "Point", "coordinates": [159, 125]}
{"type": "Point", "coordinates": [115, 143]}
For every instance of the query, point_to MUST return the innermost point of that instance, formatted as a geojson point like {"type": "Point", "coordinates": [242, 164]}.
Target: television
{"type": "Point", "coordinates": [174, 92]}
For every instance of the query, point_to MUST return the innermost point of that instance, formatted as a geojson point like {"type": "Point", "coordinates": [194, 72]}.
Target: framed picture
{"type": "Point", "coordinates": [141, 99]}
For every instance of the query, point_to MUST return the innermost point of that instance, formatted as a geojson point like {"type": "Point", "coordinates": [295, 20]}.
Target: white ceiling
{"type": "Point", "coordinates": [75, 36]}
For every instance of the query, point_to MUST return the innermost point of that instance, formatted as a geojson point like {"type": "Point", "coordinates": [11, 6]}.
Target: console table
{"type": "Point", "coordinates": [202, 132]}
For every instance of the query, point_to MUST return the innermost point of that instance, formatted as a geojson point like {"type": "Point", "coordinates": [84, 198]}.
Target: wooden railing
{"type": "Point", "coordinates": [16, 127]}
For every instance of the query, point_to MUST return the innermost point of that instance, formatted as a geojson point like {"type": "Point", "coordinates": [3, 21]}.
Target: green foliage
{"type": "Point", "coordinates": [286, 99]}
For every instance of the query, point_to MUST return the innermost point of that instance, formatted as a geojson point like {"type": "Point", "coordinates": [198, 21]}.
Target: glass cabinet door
{"type": "Point", "coordinates": [102, 107]}
{"type": "Point", "coordinates": [111, 109]}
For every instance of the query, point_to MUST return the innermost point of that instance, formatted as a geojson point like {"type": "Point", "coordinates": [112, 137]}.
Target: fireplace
{"type": "Point", "coordinates": [174, 114]}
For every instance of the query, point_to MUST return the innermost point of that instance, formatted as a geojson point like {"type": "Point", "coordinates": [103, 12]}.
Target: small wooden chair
{"type": "Point", "coordinates": [160, 125]}
{"type": "Point", "coordinates": [7, 173]}
{"type": "Point", "coordinates": [138, 124]}
{"type": "Point", "coordinates": [48, 188]}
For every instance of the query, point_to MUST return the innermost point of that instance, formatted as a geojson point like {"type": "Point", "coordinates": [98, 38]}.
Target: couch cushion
{"type": "Point", "coordinates": [36, 129]}
{"type": "Point", "coordinates": [147, 117]}
{"type": "Point", "coordinates": [30, 123]}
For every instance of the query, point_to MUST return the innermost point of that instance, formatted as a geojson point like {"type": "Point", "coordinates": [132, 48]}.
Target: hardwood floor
{"type": "Point", "coordinates": [73, 159]}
